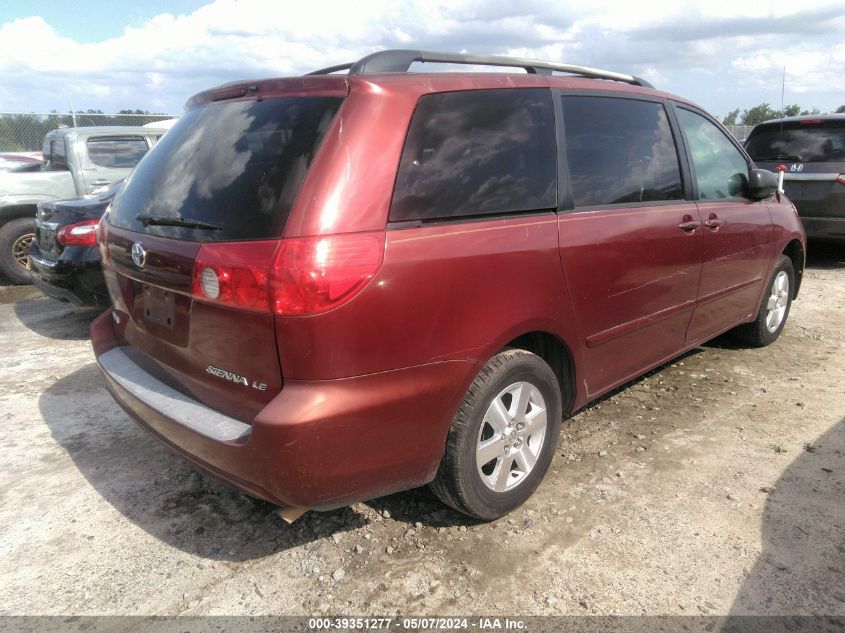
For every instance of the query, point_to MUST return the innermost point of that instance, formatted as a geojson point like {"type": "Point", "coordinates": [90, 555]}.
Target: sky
{"type": "Point", "coordinates": [155, 54]}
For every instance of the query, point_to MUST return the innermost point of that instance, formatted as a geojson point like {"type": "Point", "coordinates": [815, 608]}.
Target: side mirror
{"type": "Point", "coordinates": [762, 183]}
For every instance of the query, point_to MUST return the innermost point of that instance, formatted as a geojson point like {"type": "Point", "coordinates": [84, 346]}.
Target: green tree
{"type": "Point", "coordinates": [758, 114]}
{"type": "Point", "coordinates": [840, 109]}
{"type": "Point", "coordinates": [792, 110]}
{"type": "Point", "coordinates": [731, 117]}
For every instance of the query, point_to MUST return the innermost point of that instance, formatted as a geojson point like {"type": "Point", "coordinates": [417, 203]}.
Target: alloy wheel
{"type": "Point", "coordinates": [777, 302]}
{"type": "Point", "coordinates": [511, 436]}
{"type": "Point", "coordinates": [20, 250]}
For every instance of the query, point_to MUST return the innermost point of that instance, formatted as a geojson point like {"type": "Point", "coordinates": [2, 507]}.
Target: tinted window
{"type": "Point", "coordinates": [116, 151]}
{"type": "Point", "coordinates": [477, 152]}
{"type": "Point", "coordinates": [620, 151]}
{"type": "Point", "coordinates": [720, 168]}
{"type": "Point", "coordinates": [58, 158]}
{"type": "Point", "coordinates": [798, 142]}
{"type": "Point", "coordinates": [237, 165]}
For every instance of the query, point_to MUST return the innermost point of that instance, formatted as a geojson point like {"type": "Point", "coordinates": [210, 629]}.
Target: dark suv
{"type": "Point", "coordinates": [333, 287]}
{"type": "Point", "coordinates": [811, 150]}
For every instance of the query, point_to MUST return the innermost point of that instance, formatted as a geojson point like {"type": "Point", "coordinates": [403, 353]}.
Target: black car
{"type": "Point", "coordinates": [64, 260]}
{"type": "Point", "coordinates": [812, 151]}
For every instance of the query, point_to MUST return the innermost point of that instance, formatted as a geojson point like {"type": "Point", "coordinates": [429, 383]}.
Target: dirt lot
{"type": "Point", "coordinates": [715, 485]}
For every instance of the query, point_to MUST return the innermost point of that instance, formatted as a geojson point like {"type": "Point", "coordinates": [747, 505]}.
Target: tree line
{"type": "Point", "coordinates": [765, 112]}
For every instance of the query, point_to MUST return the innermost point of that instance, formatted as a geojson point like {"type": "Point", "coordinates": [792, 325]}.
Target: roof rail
{"type": "Point", "coordinates": [330, 69]}
{"type": "Point", "coordinates": [400, 60]}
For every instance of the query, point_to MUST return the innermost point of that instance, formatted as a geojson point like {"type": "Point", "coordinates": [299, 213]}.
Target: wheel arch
{"type": "Point", "coordinates": [552, 349]}
{"type": "Point", "coordinates": [795, 251]}
{"type": "Point", "coordinates": [17, 211]}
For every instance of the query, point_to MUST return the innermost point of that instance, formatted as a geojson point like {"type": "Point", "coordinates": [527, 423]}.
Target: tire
{"type": "Point", "coordinates": [494, 417]}
{"type": "Point", "coordinates": [15, 237]}
{"type": "Point", "coordinates": [774, 308]}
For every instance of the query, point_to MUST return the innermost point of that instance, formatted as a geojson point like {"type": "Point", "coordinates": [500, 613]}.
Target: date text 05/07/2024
{"type": "Point", "coordinates": [416, 623]}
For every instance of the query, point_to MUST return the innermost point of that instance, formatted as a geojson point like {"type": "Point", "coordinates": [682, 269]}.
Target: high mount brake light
{"type": "Point", "coordinates": [79, 234]}
{"type": "Point", "coordinates": [297, 277]}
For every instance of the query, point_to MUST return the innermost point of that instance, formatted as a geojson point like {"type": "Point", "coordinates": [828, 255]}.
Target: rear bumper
{"type": "Point", "coordinates": [824, 228]}
{"type": "Point", "coordinates": [78, 282]}
{"type": "Point", "coordinates": [320, 444]}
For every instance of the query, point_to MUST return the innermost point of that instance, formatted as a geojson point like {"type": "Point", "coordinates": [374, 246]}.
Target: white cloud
{"type": "Point", "coordinates": [719, 53]}
{"type": "Point", "coordinates": [654, 76]}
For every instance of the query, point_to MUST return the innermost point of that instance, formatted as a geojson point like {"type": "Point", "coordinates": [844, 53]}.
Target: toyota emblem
{"type": "Point", "coordinates": [139, 255]}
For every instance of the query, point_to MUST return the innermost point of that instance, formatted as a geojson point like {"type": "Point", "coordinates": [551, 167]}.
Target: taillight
{"type": "Point", "coordinates": [78, 234]}
{"type": "Point", "coordinates": [234, 274]}
{"type": "Point", "coordinates": [841, 179]}
{"type": "Point", "coordinates": [293, 277]}
{"type": "Point", "coordinates": [315, 274]}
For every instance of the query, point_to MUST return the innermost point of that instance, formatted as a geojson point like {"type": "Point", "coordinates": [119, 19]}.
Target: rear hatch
{"type": "Point", "coordinates": [813, 153]}
{"type": "Point", "coordinates": [201, 216]}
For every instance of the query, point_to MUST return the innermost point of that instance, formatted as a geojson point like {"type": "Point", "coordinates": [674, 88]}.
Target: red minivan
{"type": "Point", "coordinates": [333, 287]}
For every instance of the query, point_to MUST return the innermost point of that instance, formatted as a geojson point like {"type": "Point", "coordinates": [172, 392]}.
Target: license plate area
{"type": "Point", "coordinates": [159, 306]}
{"type": "Point", "coordinates": [45, 234]}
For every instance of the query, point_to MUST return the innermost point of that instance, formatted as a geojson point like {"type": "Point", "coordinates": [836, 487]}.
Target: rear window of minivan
{"type": "Point", "coordinates": [811, 142]}
{"type": "Point", "coordinates": [478, 152]}
{"type": "Point", "coordinates": [235, 165]}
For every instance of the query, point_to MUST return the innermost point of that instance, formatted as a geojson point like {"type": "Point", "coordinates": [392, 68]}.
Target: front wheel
{"type": "Point", "coordinates": [774, 308]}
{"type": "Point", "coordinates": [15, 239]}
{"type": "Point", "coordinates": [502, 438]}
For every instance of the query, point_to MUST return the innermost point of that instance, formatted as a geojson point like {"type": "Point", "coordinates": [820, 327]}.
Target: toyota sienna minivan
{"type": "Point", "coordinates": [333, 287]}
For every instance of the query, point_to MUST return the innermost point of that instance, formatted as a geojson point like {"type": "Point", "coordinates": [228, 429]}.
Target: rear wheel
{"type": "Point", "coordinates": [502, 438]}
{"type": "Point", "coordinates": [774, 308]}
{"type": "Point", "coordinates": [15, 239]}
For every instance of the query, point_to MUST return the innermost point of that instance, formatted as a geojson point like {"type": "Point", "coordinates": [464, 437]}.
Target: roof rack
{"type": "Point", "coordinates": [399, 61]}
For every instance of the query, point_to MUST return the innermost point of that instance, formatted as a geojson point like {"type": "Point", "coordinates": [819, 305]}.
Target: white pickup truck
{"type": "Point", "coordinates": [76, 161]}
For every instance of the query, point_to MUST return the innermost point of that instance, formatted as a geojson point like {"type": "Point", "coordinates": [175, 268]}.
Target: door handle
{"type": "Point", "coordinates": [713, 222]}
{"type": "Point", "coordinates": [100, 182]}
{"type": "Point", "coordinates": [689, 224]}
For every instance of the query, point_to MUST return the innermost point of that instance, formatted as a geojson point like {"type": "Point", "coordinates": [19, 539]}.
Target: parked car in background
{"type": "Point", "coordinates": [20, 161]}
{"type": "Point", "coordinates": [64, 260]}
{"type": "Point", "coordinates": [387, 279]}
{"type": "Point", "coordinates": [165, 125]}
{"type": "Point", "coordinates": [76, 161]}
{"type": "Point", "coordinates": [812, 149]}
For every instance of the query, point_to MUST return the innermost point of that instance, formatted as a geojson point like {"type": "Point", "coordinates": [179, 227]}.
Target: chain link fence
{"type": "Point", "coordinates": [24, 131]}
{"type": "Point", "coordinates": [740, 132]}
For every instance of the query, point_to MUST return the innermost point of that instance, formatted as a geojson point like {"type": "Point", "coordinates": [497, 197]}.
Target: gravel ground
{"type": "Point", "coordinates": [714, 485]}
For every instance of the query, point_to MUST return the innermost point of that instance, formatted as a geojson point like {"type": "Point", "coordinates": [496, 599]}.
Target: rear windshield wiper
{"type": "Point", "coordinates": [790, 157]}
{"type": "Point", "coordinates": [169, 220]}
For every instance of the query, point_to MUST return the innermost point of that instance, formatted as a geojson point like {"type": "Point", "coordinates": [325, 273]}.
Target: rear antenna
{"type": "Point", "coordinates": [782, 111]}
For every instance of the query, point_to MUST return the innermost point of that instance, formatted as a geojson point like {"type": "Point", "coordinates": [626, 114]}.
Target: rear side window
{"type": "Point", "coordinates": [620, 151]}
{"type": "Point", "coordinates": [58, 157]}
{"type": "Point", "coordinates": [237, 165]}
{"type": "Point", "coordinates": [799, 142]}
{"type": "Point", "coordinates": [116, 151]}
{"type": "Point", "coordinates": [478, 152]}
{"type": "Point", "coordinates": [721, 171]}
